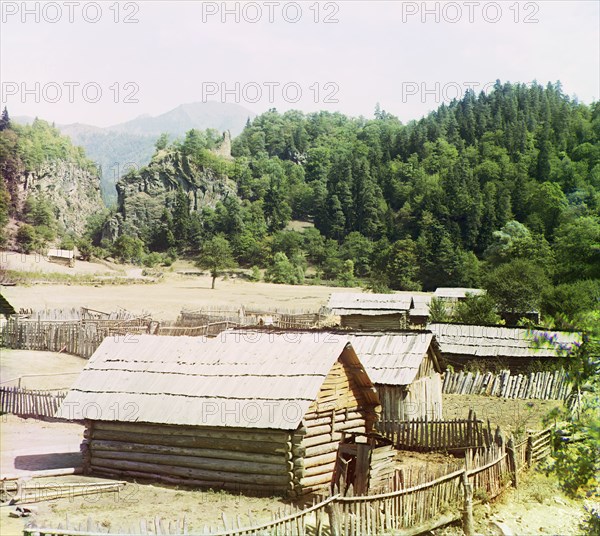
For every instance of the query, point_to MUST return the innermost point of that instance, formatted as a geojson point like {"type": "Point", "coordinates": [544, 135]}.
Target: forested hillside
{"type": "Point", "coordinates": [500, 190]}
{"type": "Point", "coordinates": [508, 181]}
{"type": "Point", "coordinates": [48, 188]}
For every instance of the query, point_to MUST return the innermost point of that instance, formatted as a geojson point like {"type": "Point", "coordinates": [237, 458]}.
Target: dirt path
{"type": "Point", "coordinates": [28, 445]}
{"type": "Point", "coordinates": [537, 507]}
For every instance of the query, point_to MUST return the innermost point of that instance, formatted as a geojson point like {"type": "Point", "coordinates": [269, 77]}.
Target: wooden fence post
{"type": "Point", "coordinates": [334, 522]}
{"type": "Point", "coordinates": [512, 461]}
{"type": "Point", "coordinates": [467, 517]}
{"type": "Point", "coordinates": [529, 450]}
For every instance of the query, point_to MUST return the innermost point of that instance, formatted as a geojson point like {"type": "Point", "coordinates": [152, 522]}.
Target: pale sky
{"type": "Point", "coordinates": [408, 56]}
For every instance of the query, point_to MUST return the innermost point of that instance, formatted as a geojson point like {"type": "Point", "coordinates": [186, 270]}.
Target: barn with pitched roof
{"type": "Point", "coordinates": [243, 411]}
{"type": "Point", "coordinates": [375, 312]}
{"type": "Point", "coordinates": [405, 368]}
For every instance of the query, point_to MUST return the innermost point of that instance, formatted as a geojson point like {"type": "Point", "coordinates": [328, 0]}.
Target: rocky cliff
{"type": "Point", "coordinates": [72, 190]}
{"type": "Point", "coordinates": [36, 162]}
{"type": "Point", "coordinates": [143, 195]}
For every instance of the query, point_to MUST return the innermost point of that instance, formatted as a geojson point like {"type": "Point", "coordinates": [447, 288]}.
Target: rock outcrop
{"type": "Point", "coordinates": [73, 191]}
{"type": "Point", "coordinates": [144, 195]}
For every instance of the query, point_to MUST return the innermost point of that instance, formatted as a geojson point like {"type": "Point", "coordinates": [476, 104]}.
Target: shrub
{"type": "Point", "coordinates": [26, 238]}
{"type": "Point", "coordinates": [255, 273]}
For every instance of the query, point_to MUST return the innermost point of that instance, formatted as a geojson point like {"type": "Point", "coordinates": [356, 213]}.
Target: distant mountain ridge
{"type": "Point", "coordinates": [121, 147]}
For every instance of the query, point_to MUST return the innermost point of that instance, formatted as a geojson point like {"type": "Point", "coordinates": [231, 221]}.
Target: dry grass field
{"type": "Point", "coordinates": [512, 415]}
{"type": "Point", "coordinates": [63, 368]}
{"type": "Point", "coordinates": [165, 298]}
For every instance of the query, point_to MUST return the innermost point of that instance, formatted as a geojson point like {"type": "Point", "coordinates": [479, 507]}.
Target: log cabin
{"type": "Point", "coordinates": [374, 312]}
{"type": "Point", "coordinates": [498, 347]}
{"type": "Point", "coordinates": [258, 412]}
{"type": "Point", "coordinates": [405, 368]}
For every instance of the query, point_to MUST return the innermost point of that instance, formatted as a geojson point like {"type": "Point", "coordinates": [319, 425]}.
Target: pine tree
{"type": "Point", "coordinates": [4, 120]}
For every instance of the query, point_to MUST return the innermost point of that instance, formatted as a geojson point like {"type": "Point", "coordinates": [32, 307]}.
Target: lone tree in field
{"type": "Point", "coordinates": [215, 255]}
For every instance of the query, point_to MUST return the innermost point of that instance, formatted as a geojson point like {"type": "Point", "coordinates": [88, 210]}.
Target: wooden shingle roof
{"type": "Point", "coordinates": [393, 359]}
{"type": "Point", "coordinates": [247, 380]}
{"type": "Point", "coordinates": [345, 303]}
{"type": "Point", "coordinates": [498, 341]}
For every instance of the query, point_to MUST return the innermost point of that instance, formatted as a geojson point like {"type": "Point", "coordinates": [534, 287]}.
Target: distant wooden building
{"type": "Point", "coordinates": [455, 294]}
{"type": "Point", "coordinates": [406, 371]}
{"type": "Point", "coordinates": [65, 257]}
{"type": "Point", "coordinates": [419, 313]}
{"type": "Point", "coordinates": [501, 347]}
{"type": "Point", "coordinates": [375, 312]}
{"type": "Point", "coordinates": [257, 412]}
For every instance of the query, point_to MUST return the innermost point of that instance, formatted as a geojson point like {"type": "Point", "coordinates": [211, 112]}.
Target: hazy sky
{"type": "Point", "coordinates": [97, 58]}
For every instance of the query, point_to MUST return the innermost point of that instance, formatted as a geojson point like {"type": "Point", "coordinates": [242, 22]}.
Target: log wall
{"type": "Point", "coordinates": [340, 409]}
{"type": "Point", "coordinates": [221, 458]}
{"type": "Point", "coordinates": [375, 322]}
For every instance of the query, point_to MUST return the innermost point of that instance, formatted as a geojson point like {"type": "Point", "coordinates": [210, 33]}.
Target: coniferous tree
{"type": "Point", "coordinates": [4, 120]}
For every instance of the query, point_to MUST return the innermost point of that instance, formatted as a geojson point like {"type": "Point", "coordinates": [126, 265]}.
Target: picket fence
{"type": "Point", "coordinates": [30, 403]}
{"type": "Point", "coordinates": [443, 435]}
{"type": "Point", "coordinates": [417, 503]}
{"type": "Point", "coordinates": [542, 385]}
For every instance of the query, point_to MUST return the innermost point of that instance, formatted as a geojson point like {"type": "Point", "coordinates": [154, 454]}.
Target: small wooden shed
{"type": "Point", "coordinates": [65, 257]}
{"type": "Point", "coordinates": [405, 368]}
{"type": "Point", "coordinates": [501, 347]}
{"type": "Point", "coordinates": [260, 412]}
{"type": "Point", "coordinates": [374, 312]}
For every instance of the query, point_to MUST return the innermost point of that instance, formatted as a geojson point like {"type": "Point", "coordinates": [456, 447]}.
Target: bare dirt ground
{"type": "Point", "coordinates": [63, 368]}
{"type": "Point", "coordinates": [28, 445]}
{"type": "Point", "coordinates": [165, 299]}
{"type": "Point", "coordinates": [136, 501]}
{"type": "Point", "coordinates": [537, 508]}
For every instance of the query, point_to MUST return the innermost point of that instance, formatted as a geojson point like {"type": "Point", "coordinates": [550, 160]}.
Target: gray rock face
{"type": "Point", "coordinates": [143, 195]}
{"type": "Point", "coordinates": [71, 189]}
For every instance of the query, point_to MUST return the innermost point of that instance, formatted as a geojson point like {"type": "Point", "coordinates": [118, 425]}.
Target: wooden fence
{"type": "Point", "coordinates": [77, 337]}
{"type": "Point", "coordinates": [29, 403]}
{"type": "Point", "coordinates": [411, 508]}
{"type": "Point", "coordinates": [446, 435]}
{"type": "Point", "coordinates": [544, 385]}
{"type": "Point", "coordinates": [242, 316]}
{"type": "Point", "coordinates": [211, 329]}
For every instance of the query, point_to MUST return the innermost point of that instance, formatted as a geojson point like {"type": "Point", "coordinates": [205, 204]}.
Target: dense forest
{"type": "Point", "coordinates": [500, 190]}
